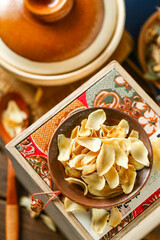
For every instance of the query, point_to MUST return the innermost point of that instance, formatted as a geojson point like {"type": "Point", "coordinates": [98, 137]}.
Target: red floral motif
{"type": "Point", "coordinates": [129, 107]}
{"type": "Point", "coordinates": [120, 81]}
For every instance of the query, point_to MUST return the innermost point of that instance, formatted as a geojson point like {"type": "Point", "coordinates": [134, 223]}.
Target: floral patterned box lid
{"type": "Point", "coordinates": [115, 89]}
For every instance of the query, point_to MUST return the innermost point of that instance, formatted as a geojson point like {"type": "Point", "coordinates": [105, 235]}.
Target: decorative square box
{"type": "Point", "coordinates": [111, 87]}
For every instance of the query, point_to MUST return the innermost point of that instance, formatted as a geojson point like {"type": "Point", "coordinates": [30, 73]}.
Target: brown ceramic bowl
{"type": "Point", "coordinates": [73, 191]}
{"type": "Point", "coordinates": [142, 46]}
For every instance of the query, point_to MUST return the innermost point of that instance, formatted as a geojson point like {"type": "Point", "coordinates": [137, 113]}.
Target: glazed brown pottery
{"type": "Point", "coordinates": [75, 193]}
{"type": "Point", "coordinates": [50, 30]}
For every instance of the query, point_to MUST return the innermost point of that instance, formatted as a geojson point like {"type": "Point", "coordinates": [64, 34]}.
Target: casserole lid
{"type": "Point", "coordinates": [50, 30]}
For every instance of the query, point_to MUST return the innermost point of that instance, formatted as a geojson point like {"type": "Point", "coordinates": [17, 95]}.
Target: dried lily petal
{"type": "Point", "coordinates": [115, 217]}
{"type": "Point", "coordinates": [133, 139]}
{"type": "Point", "coordinates": [71, 172]}
{"type": "Point", "coordinates": [124, 124]}
{"type": "Point", "coordinates": [89, 157]}
{"type": "Point", "coordinates": [156, 152]}
{"type": "Point", "coordinates": [65, 163]}
{"type": "Point", "coordinates": [84, 132]}
{"type": "Point", "coordinates": [120, 157]}
{"type": "Point", "coordinates": [49, 222]}
{"type": "Point", "coordinates": [123, 176]}
{"type": "Point", "coordinates": [99, 219]}
{"type": "Point", "coordinates": [128, 187]}
{"type": "Point", "coordinates": [79, 182]}
{"type": "Point", "coordinates": [85, 151]}
{"type": "Point", "coordinates": [76, 162]}
{"type": "Point", "coordinates": [92, 144]}
{"type": "Point", "coordinates": [134, 134]}
{"type": "Point", "coordinates": [118, 168]}
{"type": "Point", "coordinates": [94, 133]}
{"type": "Point", "coordinates": [112, 177]}
{"type": "Point", "coordinates": [78, 149]}
{"type": "Point", "coordinates": [105, 192]}
{"type": "Point", "coordinates": [75, 132]}
{"type": "Point", "coordinates": [72, 156]}
{"type": "Point", "coordinates": [116, 132]}
{"type": "Point", "coordinates": [71, 206]}
{"type": "Point", "coordinates": [137, 165]}
{"type": "Point", "coordinates": [75, 144]}
{"type": "Point", "coordinates": [105, 159]}
{"type": "Point", "coordinates": [125, 145]}
{"type": "Point", "coordinates": [140, 153]}
{"type": "Point", "coordinates": [105, 130]}
{"type": "Point", "coordinates": [65, 147]}
{"type": "Point", "coordinates": [99, 133]}
{"type": "Point", "coordinates": [95, 119]}
{"type": "Point", "coordinates": [95, 179]}
{"type": "Point", "coordinates": [156, 157]}
{"type": "Point", "coordinates": [89, 169]}
{"type": "Point", "coordinates": [13, 119]}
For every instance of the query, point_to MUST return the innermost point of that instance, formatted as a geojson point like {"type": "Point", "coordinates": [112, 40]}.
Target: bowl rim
{"type": "Point", "coordinates": [127, 196]}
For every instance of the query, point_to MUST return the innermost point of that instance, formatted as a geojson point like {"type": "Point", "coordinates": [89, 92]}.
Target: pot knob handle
{"type": "Point", "coordinates": [49, 10]}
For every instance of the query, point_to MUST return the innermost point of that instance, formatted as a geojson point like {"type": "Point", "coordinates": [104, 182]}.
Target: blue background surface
{"type": "Point", "coordinates": [137, 12]}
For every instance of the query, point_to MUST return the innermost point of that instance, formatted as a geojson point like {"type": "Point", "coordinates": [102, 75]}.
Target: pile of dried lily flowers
{"type": "Point", "coordinates": [104, 161]}
{"type": "Point", "coordinates": [152, 39]}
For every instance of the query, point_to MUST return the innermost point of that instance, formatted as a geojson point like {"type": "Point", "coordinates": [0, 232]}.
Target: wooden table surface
{"type": "Point", "coordinates": [35, 228]}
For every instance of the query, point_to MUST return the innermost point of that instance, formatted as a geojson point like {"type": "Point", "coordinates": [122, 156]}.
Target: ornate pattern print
{"type": "Point", "coordinates": [26, 147]}
{"type": "Point", "coordinates": [129, 107]}
{"type": "Point", "coordinates": [39, 164]}
{"type": "Point", "coordinates": [131, 103]}
{"type": "Point", "coordinates": [120, 81]}
{"type": "Point", "coordinates": [150, 121]}
{"type": "Point", "coordinates": [106, 99]}
{"type": "Point", "coordinates": [36, 158]}
{"type": "Point", "coordinates": [134, 106]}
